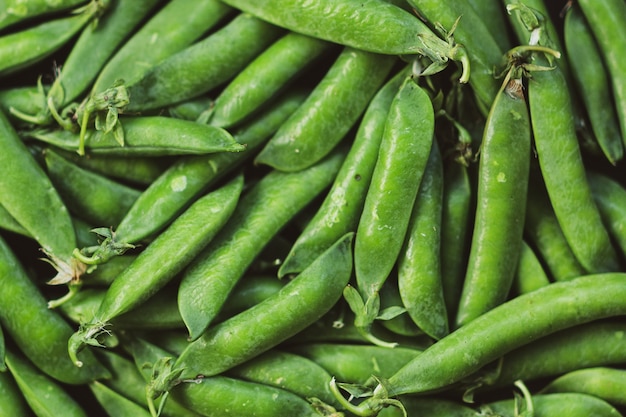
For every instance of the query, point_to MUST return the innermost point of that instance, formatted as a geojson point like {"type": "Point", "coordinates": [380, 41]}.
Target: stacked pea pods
{"type": "Point", "coordinates": [331, 208]}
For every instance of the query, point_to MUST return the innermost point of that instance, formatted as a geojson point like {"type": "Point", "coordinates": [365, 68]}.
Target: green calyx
{"type": "Point", "coordinates": [374, 400]}
{"type": "Point", "coordinates": [108, 248]}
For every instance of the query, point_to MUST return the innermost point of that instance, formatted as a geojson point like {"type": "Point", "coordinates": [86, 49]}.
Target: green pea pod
{"type": "Point", "coordinates": [493, 13]}
{"type": "Point", "coordinates": [186, 178]}
{"type": "Point", "coordinates": [107, 272]}
{"type": "Point", "coordinates": [592, 82]}
{"type": "Point", "coordinates": [17, 12]}
{"type": "Point", "coordinates": [329, 112]}
{"type": "Point", "coordinates": [93, 197]}
{"type": "Point", "coordinates": [171, 29]}
{"type": "Point", "coordinates": [165, 257]}
{"type": "Point", "coordinates": [40, 333]}
{"type": "Point", "coordinates": [516, 322]}
{"type": "Point", "coordinates": [263, 211]}
{"type": "Point", "coordinates": [248, 292]}
{"type": "Point", "coordinates": [419, 261]}
{"type": "Point", "coordinates": [342, 206]}
{"type": "Point", "coordinates": [23, 48]}
{"type": "Point", "coordinates": [307, 298]}
{"type": "Point", "coordinates": [610, 196]}
{"type": "Point", "coordinates": [41, 212]}
{"type": "Point", "coordinates": [437, 407]}
{"type": "Point", "coordinates": [147, 136]}
{"type": "Point", "coordinates": [545, 405]}
{"type": "Point", "coordinates": [561, 162]}
{"type": "Point", "coordinates": [605, 383]}
{"type": "Point", "coordinates": [402, 157]}
{"type": "Point", "coordinates": [529, 274]}
{"type": "Point", "coordinates": [3, 366]}
{"type": "Point", "coordinates": [114, 403]}
{"type": "Point", "coordinates": [271, 72]}
{"type": "Point", "coordinates": [606, 21]}
{"type": "Point", "coordinates": [287, 371]}
{"type": "Point", "coordinates": [24, 100]}
{"type": "Point", "coordinates": [45, 396]}
{"type": "Point", "coordinates": [503, 176]}
{"type": "Point", "coordinates": [390, 301]}
{"type": "Point", "coordinates": [13, 402]}
{"type": "Point", "coordinates": [384, 28]}
{"type": "Point", "coordinates": [204, 65]}
{"type": "Point", "coordinates": [8, 222]}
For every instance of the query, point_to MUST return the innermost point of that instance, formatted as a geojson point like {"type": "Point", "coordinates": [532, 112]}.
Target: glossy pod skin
{"type": "Point", "coordinates": [606, 383]}
{"type": "Point", "coordinates": [148, 136]}
{"type": "Point", "coordinates": [114, 403]}
{"type": "Point", "coordinates": [503, 175]}
{"type": "Point", "coordinates": [16, 12]}
{"type": "Point", "coordinates": [529, 274]}
{"type": "Point", "coordinates": [13, 402]}
{"type": "Point", "coordinates": [262, 211]}
{"type": "Point", "coordinates": [570, 404]}
{"type": "Point", "coordinates": [329, 112]}
{"type": "Point", "coordinates": [516, 322]}
{"type": "Point", "coordinates": [610, 196]}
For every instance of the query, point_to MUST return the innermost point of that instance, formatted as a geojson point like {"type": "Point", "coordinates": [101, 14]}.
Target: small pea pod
{"type": "Point", "coordinates": [18, 101]}
{"type": "Point", "coordinates": [13, 402]}
{"type": "Point", "coordinates": [503, 176]}
{"type": "Point", "coordinates": [340, 211]}
{"type": "Point", "coordinates": [270, 73]}
{"type": "Point", "coordinates": [264, 210]}
{"type": "Point", "coordinates": [610, 196]}
{"type": "Point", "coordinates": [329, 112]}
{"type": "Point", "coordinates": [385, 28]}
{"type": "Point", "coordinates": [606, 383]}
{"type": "Point", "coordinates": [402, 158]}
{"type": "Point", "coordinates": [17, 12]}
{"type": "Point", "coordinates": [160, 261]}
{"type": "Point", "coordinates": [529, 274]}
{"type": "Point", "coordinates": [114, 403]}
{"type": "Point", "coordinates": [419, 261]}
{"type": "Point", "coordinates": [45, 396]}
{"type": "Point", "coordinates": [545, 405]}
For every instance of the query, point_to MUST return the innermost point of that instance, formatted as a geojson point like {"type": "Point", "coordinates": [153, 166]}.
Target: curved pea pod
{"type": "Point", "coordinates": [42, 212]}
{"type": "Point", "coordinates": [165, 257]}
{"type": "Point", "coordinates": [262, 212]}
{"type": "Point", "coordinates": [419, 261]}
{"type": "Point", "coordinates": [401, 324]}
{"type": "Point", "coordinates": [248, 292]}
{"type": "Point", "coordinates": [93, 197]}
{"type": "Point", "coordinates": [8, 222]}
{"type": "Point", "coordinates": [268, 74]}
{"type": "Point", "coordinates": [384, 28]}
{"type": "Point", "coordinates": [571, 404]}
{"type": "Point", "coordinates": [204, 65]}
{"type": "Point", "coordinates": [171, 29]}
{"type": "Point", "coordinates": [297, 305]}
{"type": "Point", "coordinates": [24, 100]}
{"type": "Point", "coordinates": [606, 383]}
{"type": "Point", "coordinates": [436, 407]}
{"type": "Point", "coordinates": [592, 81]}
{"type": "Point", "coordinates": [610, 196]}
{"type": "Point", "coordinates": [356, 363]}
{"type": "Point", "coordinates": [287, 371]}
{"type": "Point", "coordinates": [342, 206]}
{"type": "Point", "coordinates": [40, 333]}
{"type": "Point", "coordinates": [529, 274]}
{"type": "Point", "coordinates": [45, 396]}
{"type": "Point", "coordinates": [13, 402]}
{"type": "Point", "coordinates": [560, 162]}
{"type": "Point", "coordinates": [18, 12]}
{"type": "Point", "coordinates": [329, 112]}
{"type": "Point", "coordinates": [114, 403]}
{"type": "Point", "coordinates": [503, 176]}
{"type": "Point", "coordinates": [25, 47]}
{"type": "Point", "coordinates": [147, 136]}
{"type": "Point", "coordinates": [403, 154]}
{"type": "Point", "coordinates": [515, 323]}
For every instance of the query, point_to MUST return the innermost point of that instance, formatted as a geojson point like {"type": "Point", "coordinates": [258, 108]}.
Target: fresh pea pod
{"type": "Point", "coordinates": [329, 112]}
{"type": "Point", "coordinates": [22, 48]}
{"type": "Point", "coordinates": [592, 81]}
{"type": "Point", "coordinates": [18, 101]}
{"type": "Point", "coordinates": [610, 196]}
{"type": "Point", "coordinates": [270, 73]}
{"type": "Point", "coordinates": [561, 161]}
{"type": "Point", "coordinates": [516, 322]}
{"type": "Point", "coordinates": [8, 222]}
{"type": "Point", "coordinates": [160, 261]}
{"type": "Point", "coordinates": [171, 29]}
{"type": "Point", "coordinates": [545, 405]}
{"type": "Point", "coordinates": [248, 292]}
{"type": "Point", "coordinates": [503, 176]}
{"type": "Point", "coordinates": [3, 366]}
{"type": "Point", "coordinates": [263, 211]}
{"type": "Point", "coordinates": [402, 158]}
{"type": "Point", "coordinates": [419, 267]}
{"type": "Point", "coordinates": [42, 212]}
{"type": "Point", "coordinates": [95, 198]}
{"type": "Point", "coordinates": [13, 402]}
{"type": "Point", "coordinates": [606, 383]}
{"type": "Point", "coordinates": [606, 22]}
{"type": "Point", "coordinates": [45, 396]}
{"type": "Point", "coordinates": [297, 305]}
{"type": "Point", "coordinates": [529, 274]}
{"type": "Point", "coordinates": [114, 403]}
{"type": "Point", "coordinates": [147, 136]}
{"type": "Point", "coordinates": [384, 28]}
{"type": "Point", "coordinates": [17, 12]}
{"type": "Point", "coordinates": [204, 65]}
{"type": "Point", "coordinates": [493, 13]}
{"type": "Point", "coordinates": [342, 206]}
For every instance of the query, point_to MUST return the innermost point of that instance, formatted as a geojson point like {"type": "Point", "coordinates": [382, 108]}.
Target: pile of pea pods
{"type": "Point", "coordinates": [312, 208]}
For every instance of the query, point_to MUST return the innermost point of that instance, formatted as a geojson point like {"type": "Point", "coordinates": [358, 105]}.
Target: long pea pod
{"type": "Point", "coordinates": [404, 149]}
{"type": "Point", "coordinates": [263, 211]}
{"type": "Point", "coordinates": [329, 112]}
{"type": "Point", "coordinates": [166, 256]}
{"type": "Point", "coordinates": [8, 222]}
{"type": "Point", "coordinates": [114, 403]}
{"type": "Point", "coordinates": [342, 206]}
{"type": "Point", "coordinates": [16, 12]}
{"type": "Point", "coordinates": [606, 383]}
{"type": "Point", "coordinates": [530, 274]}
{"type": "Point", "coordinates": [610, 196]}
{"type": "Point", "coordinates": [516, 322]}
{"type": "Point", "coordinates": [384, 28]}
{"type": "Point", "coordinates": [546, 405]}
{"type": "Point", "coordinates": [13, 402]}
{"type": "Point", "coordinates": [503, 176]}
{"type": "Point", "coordinates": [419, 267]}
